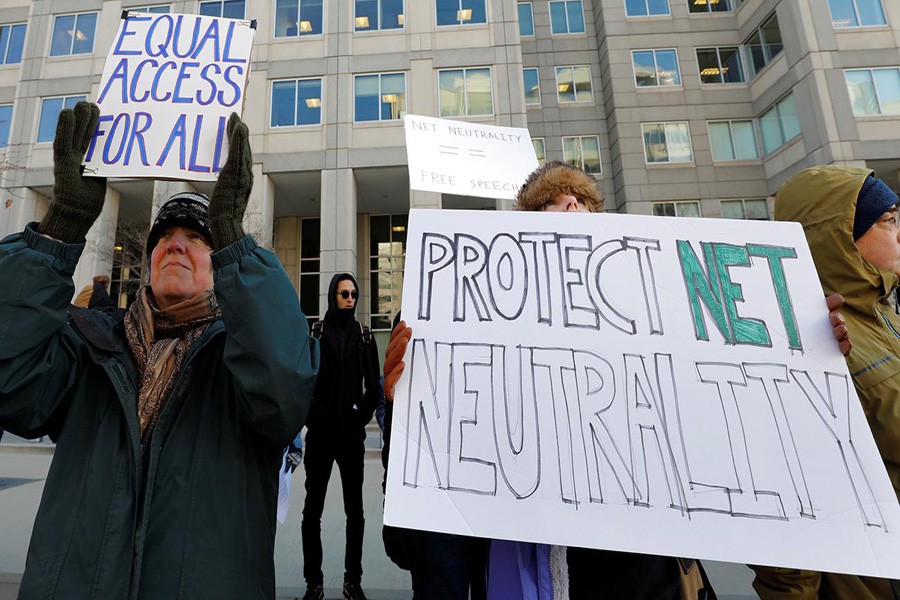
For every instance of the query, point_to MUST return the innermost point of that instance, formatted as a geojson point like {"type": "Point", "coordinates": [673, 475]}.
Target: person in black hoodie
{"type": "Point", "coordinates": [336, 432]}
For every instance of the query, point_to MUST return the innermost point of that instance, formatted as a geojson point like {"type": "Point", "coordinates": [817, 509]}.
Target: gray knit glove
{"type": "Point", "coordinates": [77, 200]}
{"type": "Point", "coordinates": [232, 191]}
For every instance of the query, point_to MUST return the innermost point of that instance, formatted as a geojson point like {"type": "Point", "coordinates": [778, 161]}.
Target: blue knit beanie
{"type": "Point", "coordinates": [875, 198]}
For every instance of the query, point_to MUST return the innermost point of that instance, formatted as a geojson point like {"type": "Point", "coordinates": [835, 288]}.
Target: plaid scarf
{"type": "Point", "coordinates": [159, 340]}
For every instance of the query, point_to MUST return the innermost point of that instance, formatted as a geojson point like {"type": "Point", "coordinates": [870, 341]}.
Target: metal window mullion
{"type": "Point", "coordinates": [780, 123]}
{"type": "Point", "coordinates": [566, 11]}
{"type": "Point", "coordinates": [466, 92]}
{"type": "Point", "coordinates": [666, 137]}
{"type": "Point", "coordinates": [378, 16]}
{"type": "Point", "coordinates": [731, 140]}
{"type": "Point", "coordinates": [875, 90]}
{"type": "Point", "coordinates": [4, 53]}
{"type": "Point", "coordinates": [721, 66]}
{"type": "Point", "coordinates": [655, 69]}
{"type": "Point", "coordinates": [856, 12]}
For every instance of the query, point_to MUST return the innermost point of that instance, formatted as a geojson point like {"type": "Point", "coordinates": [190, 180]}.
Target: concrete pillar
{"type": "Point", "coordinates": [97, 258]}
{"type": "Point", "coordinates": [287, 247]}
{"type": "Point", "coordinates": [259, 219]}
{"type": "Point", "coordinates": [337, 250]}
{"type": "Point", "coordinates": [19, 207]}
{"type": "Point", "coordinates": [420, 199]}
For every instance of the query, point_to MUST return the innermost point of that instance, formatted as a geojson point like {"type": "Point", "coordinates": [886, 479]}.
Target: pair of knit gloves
{"type": "Point", "coordinates": [78, 200]}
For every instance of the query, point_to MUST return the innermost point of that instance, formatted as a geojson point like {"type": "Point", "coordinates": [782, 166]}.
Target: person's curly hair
{"type": "Point", "coordinates": [556, 177]}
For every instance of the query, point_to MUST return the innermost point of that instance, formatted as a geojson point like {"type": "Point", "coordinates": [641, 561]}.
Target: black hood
{"type": "Point", "coordinates": [332, 312]}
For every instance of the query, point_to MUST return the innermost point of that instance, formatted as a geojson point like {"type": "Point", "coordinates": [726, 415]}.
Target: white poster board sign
{"type": "Point", "coordinates": [468, 159]}
{"type": "Point", "coordinates": [658, 385]}
{"type": "Point", "coordinates": [169, 85]}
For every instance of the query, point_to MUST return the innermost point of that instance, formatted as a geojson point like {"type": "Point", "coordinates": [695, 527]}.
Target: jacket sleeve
{"type": "Point", "coordinates": [371, 381]}
{"type": "Point", "coordinates": [40, 356]}
{"type": "Point", "coordinates": [268, 349]}
{"type": "Point", "coordinates": [778, 583]}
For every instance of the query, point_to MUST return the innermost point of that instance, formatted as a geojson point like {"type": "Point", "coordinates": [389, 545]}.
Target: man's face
{"type": "Point", "coordinates": [180, 266]}
{"type": "Point", "coordinates": [564, 202]}
{"type": "Point", "coordinates": [346, 294]}
{"type": "Point", "coordinates": [880, 245]}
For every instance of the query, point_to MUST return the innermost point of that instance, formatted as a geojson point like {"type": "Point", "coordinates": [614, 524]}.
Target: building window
{"type": "Point", "coordinates": [677, 209]}
{"type": "Point", "coordinates": [720, 65]}
{"type": "Point", "coordinates": [309, 268]}
{"type": "Point", "coordinates": [50, 109]}
{"type": "Point", "coordinates": [764, 45]}
{"type": "Point", "coordinates": [779, 124]}
{"type": "Point", "coordinates": [296, 102]}
{"type": "Point", "coordinates": [298, 17]}
{"type": "Point", "coordinates": [573, 84]}
{"type": "Point", "coordinates": [379, 97]}
{"type": "Point", "coordinates": [526, 19]}
{"type": "Point", "coordinates": [582, 151]}
{"type": "Point", "coordinates": [756, 209]}
{"type": "Point", "coordinates": [539, 151]}
{"type": "Point", "coordinates": [667, 142]}
{"type": "Point", "coordinates": [387, 247]}
{"type": "Point", "coordinates": [532, 86]}
{"type": "Point", "coordinates": [732, 140]}
{"type": "Point", "coordinates": [6, 111]}
{"type": "Point", "coordinates": [465, 92]}
{"type": "Point", "coordinates": [856, 13]}
{"type": "Point", "coordinates": [708, 6]}
{"type": "Point", "coordinates": [378, 14]}
{"type": "Point", "coordinates": [12, 39]}
{"type": "Point", "coordinates": [646, 8]}
{"type": "Point", "coordinates": [654, 68]}
{"type": "Point", "coordinates": [566, 16]}
{"type": "Point", "coordinates": [73, 34]}
{"type": "Point", "coordinates": [874, 91]}
{"type": "Point", "coordinates": [159, 9]}
{"type": "Point", "coordinates": [230, 9]}
{"type": "Point", "coordinates": [460, 12]}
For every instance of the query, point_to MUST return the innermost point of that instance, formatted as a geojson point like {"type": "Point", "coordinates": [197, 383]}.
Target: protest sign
{"type": "Point", "coordinates": [468, 159]}
{"type": "Point", "coordinates": [656, 385]}
{"type": "Point", "coordinates": [169, 85]}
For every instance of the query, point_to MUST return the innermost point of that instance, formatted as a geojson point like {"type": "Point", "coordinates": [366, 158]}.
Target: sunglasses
{"type": "Point", "coordinates": [345, 294]}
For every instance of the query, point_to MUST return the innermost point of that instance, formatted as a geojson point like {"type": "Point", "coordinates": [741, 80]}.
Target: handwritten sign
{"type": "Point", "coordinates": [644, 384]}
{"type": "Point", "coordinates": [468, 159]}
{"type": "Point", "coordinates": [169, 85]}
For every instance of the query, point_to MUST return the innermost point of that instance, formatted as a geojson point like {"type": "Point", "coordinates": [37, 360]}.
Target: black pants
{"type": "Point", "coordinates": [323, 449]}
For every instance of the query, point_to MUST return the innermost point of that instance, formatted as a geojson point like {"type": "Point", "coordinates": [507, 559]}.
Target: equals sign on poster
{"type": "Point", "coordinates": [449, 150]}
{"type": "Point", "coordinates": [475, 152]}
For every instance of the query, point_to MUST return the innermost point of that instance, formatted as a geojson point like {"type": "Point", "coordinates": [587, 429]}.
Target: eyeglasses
{"type": "Point", "coordinates": [345, 294]}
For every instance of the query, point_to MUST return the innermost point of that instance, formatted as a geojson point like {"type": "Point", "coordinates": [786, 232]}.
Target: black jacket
{"type": "Point", "coordinates": [192, 517]}
{"type": "Point", "coordinates": [347, 388]}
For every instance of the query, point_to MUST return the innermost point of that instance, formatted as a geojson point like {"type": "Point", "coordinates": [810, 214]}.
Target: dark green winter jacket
{"type": "Point", "coordinates": [193, 516]}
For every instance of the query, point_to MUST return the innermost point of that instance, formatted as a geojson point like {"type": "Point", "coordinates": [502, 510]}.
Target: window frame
{"type": "Point", "coordinates": [560, 101]}
{"type": "Point", "coordinates": [675, 204]}
{"type": "Point", "coordinates": [531, 13]}
{"type": "Point", "coordinates": [878, 103]}
{"type": "Point", "coordinates": [77, 97]}
{"type": "Point", "coordinates": [658, 85]}
{"type": "Point", "coordinates": [855, 5]}
{"type": "Point", "coordinates": [689, 162]}
{"type": "Point", "coordinates": [647, 15]}
{"type": "Point", "coordinates": [402, 26]}
{"type": "Point", "coordinates": [525, 83]}
{"type": "Point", "coordinates": [731, 8]}
{"type": "Point", "coordinates": [580, 139]}
{"type": "Point", "coordinates": [739, 52]}
{"type": "Point", "coordinates": [776, 107]}
{"type": "Point", "coordinates": [296, 81]}
{"type": "Point", "coordinates": [373, 287]}
{"type": "Point", "coordinates": [730, 123]}
{"type": "Point", "coordinates": [4, 52]}
{"type": "Point", "coordinates": [152, 9]}
{"type": "Point", "coordinates": [540, 160]}
{"type": "Point", "coordinates": [459, 10]}
{"type": "Point", "coordinates": [221, 4]}
{"type": "Point", "coordinates": [566, 10]}
{"type": "Point", "coordinates": [71, 52]}
{"type": "Point", "coordinates": [768, 57]}
{"type": "Point", "coordinates": [380, 94]}
{"type": "Point", "coordinates": [300, 34]}
{"type": "Point", "coordinates": [465, 70]}
{"type": "Point", "coordinates": [743, 202]}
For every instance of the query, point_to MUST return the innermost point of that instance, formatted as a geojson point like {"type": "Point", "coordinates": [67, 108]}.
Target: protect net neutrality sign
{"type": "Point", "coordinates": [634, 383]}
{"type": "Point", "coordinates": [169, 84]}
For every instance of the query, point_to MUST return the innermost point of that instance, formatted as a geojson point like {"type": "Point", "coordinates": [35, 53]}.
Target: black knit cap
{"type": "Point", "coordinates": [186, 209]}
{"type": "Point", "coordinates": [875, 198]}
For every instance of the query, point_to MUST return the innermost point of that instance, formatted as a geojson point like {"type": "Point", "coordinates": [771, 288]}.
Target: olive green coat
{"type": "Point", "coordinates": [823, 200]}
{"type": "Point", "coordinates": [192, 516]}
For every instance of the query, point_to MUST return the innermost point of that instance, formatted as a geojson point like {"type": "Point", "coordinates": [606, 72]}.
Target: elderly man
{"type": "Point", "coordinates": [169, 423]}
